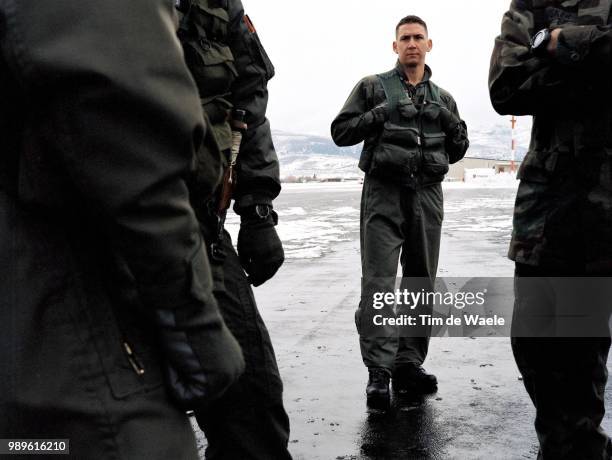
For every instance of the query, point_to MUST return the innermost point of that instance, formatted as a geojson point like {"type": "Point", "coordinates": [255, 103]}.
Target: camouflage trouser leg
{"type": "Point", "coordinates": [395, 220]}
{"type": "Point", "coordinates": [565, 378]}
{"type": "Point", "coordinates": [249, 421]}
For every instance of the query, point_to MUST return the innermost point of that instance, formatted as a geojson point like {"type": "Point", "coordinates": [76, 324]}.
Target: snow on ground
{"type": "Point", "coordinates": [314, 217]}
{"type": "Point", "coordinates": [480, 180]}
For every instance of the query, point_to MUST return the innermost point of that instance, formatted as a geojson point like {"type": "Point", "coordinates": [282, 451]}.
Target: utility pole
{"type": "Point", "coordinates": [513, 151]}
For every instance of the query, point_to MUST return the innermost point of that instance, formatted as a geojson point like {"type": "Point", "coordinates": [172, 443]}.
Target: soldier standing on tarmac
{"type": "Point", "coordinates": [553, 61]}
{"type": "Point", "coordinates": [412, 131]}
{"type": "Point", "coordinates": [231, 70]}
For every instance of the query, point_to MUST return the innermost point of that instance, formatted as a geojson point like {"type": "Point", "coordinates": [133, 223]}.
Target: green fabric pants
{"type": "Point", "coordinates": [249, 421]}
{"type": "Point", "coordinates": [565, 377]}
{"type": "Point", "coordinates": [397, 224]}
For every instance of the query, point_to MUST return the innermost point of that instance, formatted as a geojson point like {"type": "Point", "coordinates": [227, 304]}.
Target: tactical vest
{"type": "Point", "coordinates": [410, 149]}
{"type": "Point", "coordinates": [203, 31]}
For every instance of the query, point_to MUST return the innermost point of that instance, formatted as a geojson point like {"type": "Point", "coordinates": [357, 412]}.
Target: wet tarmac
{"type": "Point", "coordinates": [480, 411]}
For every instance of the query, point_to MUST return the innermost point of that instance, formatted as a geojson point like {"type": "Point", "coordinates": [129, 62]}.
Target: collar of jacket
{"type": "Point", "coordinates": [400, 70]}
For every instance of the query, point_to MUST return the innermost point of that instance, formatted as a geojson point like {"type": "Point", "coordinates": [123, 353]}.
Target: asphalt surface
{"type": "Point", "coordinates": [480, 410]}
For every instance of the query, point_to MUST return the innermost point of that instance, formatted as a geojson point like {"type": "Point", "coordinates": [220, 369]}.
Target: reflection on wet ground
{"type": "Point", "coordinates": [407, 430]}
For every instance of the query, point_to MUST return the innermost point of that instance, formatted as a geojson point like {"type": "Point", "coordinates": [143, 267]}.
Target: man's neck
{"type": "Point", "coordinates": [414, 74]}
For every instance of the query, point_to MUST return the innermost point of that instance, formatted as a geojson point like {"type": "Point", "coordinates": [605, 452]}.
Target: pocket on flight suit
{"type": "Point", "coordinates": [536, 198]}
{"type": "Point", "coordinates": [396, 153]}
{"type": "Point", "coordinates": [111, 320]}
{"type": "Point", "coordinates": [210, 60]}
{"type": "Point", "coordinates": [435, 159]}
{"type": "Point", "coordinates": [128, 352]}
{"type": "Point", "coordinates": [212, 65]}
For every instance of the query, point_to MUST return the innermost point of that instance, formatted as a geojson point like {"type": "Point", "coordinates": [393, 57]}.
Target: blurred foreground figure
{"type": "Point", "coordinates": [231, 69]}
{"type": "Point", "coordinates": [553, 61]}
{"type": "Point", "coordinates": [105, 286]}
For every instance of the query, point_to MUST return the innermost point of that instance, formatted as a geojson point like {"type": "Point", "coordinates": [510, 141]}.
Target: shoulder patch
{"type": "Point", "coordinates": [249, 23]}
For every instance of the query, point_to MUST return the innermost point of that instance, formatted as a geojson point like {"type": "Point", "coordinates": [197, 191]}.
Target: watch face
{"type": "Point", "coordinates": [539, 38]}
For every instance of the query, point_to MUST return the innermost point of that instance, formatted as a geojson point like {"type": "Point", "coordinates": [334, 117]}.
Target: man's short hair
{"type": "Point", "coordinates": [410, 19]}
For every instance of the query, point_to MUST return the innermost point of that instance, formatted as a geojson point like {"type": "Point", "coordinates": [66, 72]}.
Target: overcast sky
{"type": "Point", "coordinates": [322, 48]}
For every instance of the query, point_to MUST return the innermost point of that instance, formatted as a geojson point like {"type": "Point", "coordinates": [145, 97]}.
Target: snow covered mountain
{"type": "Point", "coordinates": [495, 141]}
{"type": "Point", "coordinates": [303, 155]}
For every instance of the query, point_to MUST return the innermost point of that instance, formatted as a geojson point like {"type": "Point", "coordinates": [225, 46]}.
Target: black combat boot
{"type": "Point", "coordinates": [413, 378]}
{"type": "Point", "coordinates": [377, 391]}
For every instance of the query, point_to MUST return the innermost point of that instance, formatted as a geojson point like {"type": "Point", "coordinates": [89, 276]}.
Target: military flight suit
{"type": "Point", "coordinates": [563, 214]}
{"type": "Point", "coordinates": [231, 69]}
{"type": "Point", "coordinates": [98, 126]}
{"type": "Point", "coordinates": [405, 157]}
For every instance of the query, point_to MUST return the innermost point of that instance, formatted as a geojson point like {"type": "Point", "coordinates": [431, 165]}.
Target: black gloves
{"type": "Point", "coordinates": [448, 120]}
{"type": "Point", "coordinates": [259, 247]}
{"type": "Point", "coordinates": [450, 123]}
{"type": "Point", "coordinates": [203, 357]}
{"type": "Point", "coordinates": [380, 113]}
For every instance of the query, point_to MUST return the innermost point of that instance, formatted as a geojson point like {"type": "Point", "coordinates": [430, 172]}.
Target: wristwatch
{"type": "Point", "coordinates": [539, 42]}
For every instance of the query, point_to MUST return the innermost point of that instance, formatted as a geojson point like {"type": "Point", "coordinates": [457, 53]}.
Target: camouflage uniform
{"type": "Point", "coordinates": [231, 70]}
{"type": "Point", "coordinates": [563, 214]}
{"type": "Point", "coordinates": [98, 126]}
{"type": "Point", "coordinates": [401, 203]}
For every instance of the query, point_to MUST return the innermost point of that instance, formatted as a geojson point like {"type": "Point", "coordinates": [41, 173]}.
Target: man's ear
{"type": "Point", "coordinates": [429, 45]}
{"type": "Point", "coordinates": [395, 47]}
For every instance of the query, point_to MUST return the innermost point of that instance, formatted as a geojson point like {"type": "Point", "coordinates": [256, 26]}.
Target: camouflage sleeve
{"type": "Point", "coordinates": [585, 46]}
{"type": "Point", "coordinates": [356, 120]}
{"type": "Point", "coordinates": [257, 167]}
{"type": "Point", "coordinates": [122, 121]}
{"type": "Point", "coordinates": [520, 83]}
{"type": "Point", "coordinates": [457, 142]}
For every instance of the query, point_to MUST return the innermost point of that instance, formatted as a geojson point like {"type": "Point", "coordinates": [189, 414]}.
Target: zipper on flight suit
{"type": "Point", "coordinates": [419, 142]}
{"type": "Point", "coordinates": [412, 95]}
{"type": "Point", "coordinates": [133, 359]}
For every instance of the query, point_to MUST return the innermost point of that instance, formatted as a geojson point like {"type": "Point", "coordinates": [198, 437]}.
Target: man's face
{"type": "Point", "coordinates": [412, 44]}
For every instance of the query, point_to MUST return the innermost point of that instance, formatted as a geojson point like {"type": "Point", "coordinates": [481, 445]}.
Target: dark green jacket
{"type": "Point", "coordinates": [98, 126]}
{"type": "Point", "coordinates": [357, 122]}
{"type": "Point", "coordinates": [232, 69]}
{"type": "Point", "coordinates": [563, 213]}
